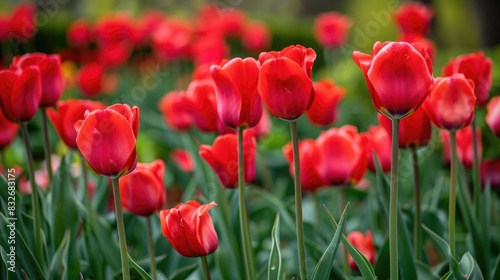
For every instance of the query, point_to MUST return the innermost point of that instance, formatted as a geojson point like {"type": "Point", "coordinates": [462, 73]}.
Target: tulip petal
{"type": "Point", "coordinates": [229, 101]}
{"type": "Point", "coordinates": [26, 94]}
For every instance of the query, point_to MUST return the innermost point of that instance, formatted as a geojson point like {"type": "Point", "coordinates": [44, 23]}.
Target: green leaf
{"type": "Point", "coordinates": [274, 265]}
{"type": "Point", "coordinates": [469, 267]}
{"type": "Point", "coordinates": [59, 261]}
{"type": "Point", "coordinates": [139, 269]}
{"type": "Point", "coordinates": [324, 266]}
{"type": "Point", "coordinates": [183, 273]}
{"type": "Point", "coordinates": [277, 205]}
{"type": "Point", "coordinates": [496, 269]}
{"type": "Point", "coordinates": [405, 252]}
{"type": "Point", "coordinates": [363, 264]}
{"type": "Point", "coordinates": [383, 258]}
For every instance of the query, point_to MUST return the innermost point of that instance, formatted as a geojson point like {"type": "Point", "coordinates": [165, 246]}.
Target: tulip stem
{"type": "Point", "coordinates": [317, 217]}
{"type": "Point", "coordinates": [206, 270]}
{"type": "Point", "coordinates": [298, 201]}
{"type": "Point", "coordinates": [475, 169]}
{"type": "Point", "coordinates": [393, 205]}
{"type": "Point", "coordinates": [46, 143]}
{"type": "Point", "coordinates": [416, 227]}
{"type": "Point", "coordinates": [37, 222]}
{"type": "Point", "coordinates": [151, 247]}
{"type": "Point", "coordinates": [453, 191]}
{"type": "Point", "coordinates": [245, 232]}
{"type": "Point", "coordinates": [121, 230]}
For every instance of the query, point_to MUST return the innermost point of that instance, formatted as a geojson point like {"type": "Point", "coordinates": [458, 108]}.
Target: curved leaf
{"type": "Point", "coordinates": [274, 265]}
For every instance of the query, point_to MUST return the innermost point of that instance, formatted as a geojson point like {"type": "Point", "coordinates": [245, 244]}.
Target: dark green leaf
{"type": "Point", "coordinates": [183, 273]}
{"type": "Point", "coordinates": [139, 269]}
{"type": "Point", "coordinates": [274, 264]}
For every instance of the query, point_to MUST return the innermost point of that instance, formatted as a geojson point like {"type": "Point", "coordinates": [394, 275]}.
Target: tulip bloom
{"type": "Point", "coordinates": [233, 22]}
{"type": "Point", "coordinates": [222, 156]}
{"type": "Point", "coordinates": [309, 156]}
{"type": "Point", "coordinates": [173, 106]}
{"type": "Point", "coordinates": [91, 79]}
{"type": "Point", "coordinates": [263, 127]}
{"type": "Point", "coordinates": [183, 160]}
{"type": "Point", "coordinates": [414, 130]}
{"type": "Point", "coordinates": [256, 37]}
{"type": "Point", "coordinates": [22, 23]}
{"type": "Point", "coordinates": [79, 33]}
{"type": "Point", "coordinates": [142, 191]}
{"type": "Point", "coordinates": [398, 75]}
{"type": "Point", "coordinates": [331, 29]}
{"type": "Point", "coordinates": [474, 66]}
{"type": "Point", "coordinates": [171, 39]}
{"type": "Point", "coordinates": [465, 151]}
{"type": "Point", "coordinates": [9, 131]}
{"type": "Point", "coordinates": [68, 113]}
{"type": "Point", "coordinates": [20, 93]}
{"type": "Point", "coordinates": [189, 229]}
{"type": "Point", "coordinates": [377, 140]}
{"type": "Point", "coordinates": [413, 17]}
{"type": "Point", "coordinates": [490, 173]}
{"type": "Point", "coordinates": [210, 48]}
{"type": "Point", "coordinates": [364, 243]}
{"type": "Point", "coordinates": [450, 104]}
{"type": "Point", "coordinates": [426, 43]}
{"type": "Point", "coordinates": [285, 81]}
{"type": "Point", "coordinates": [493, 115]}
{"type": "Point", "coordinates": [238, 101]}
{"type": "Point", "coordinates": [343, 147]}
{"type": "Point", "coordinates": [323, 110]}
{"type": "Point", "coordinates": [107, 139]}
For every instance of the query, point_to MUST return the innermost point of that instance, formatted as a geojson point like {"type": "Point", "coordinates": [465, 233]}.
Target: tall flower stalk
{"type": "Point", "coordinates": [453, 191]}
{"type": "Point", "coordinates": [417, 231]}
{"type": "Point", "coordinates": [122, 239]}
{"type": "Point", "coordinates": [46, 143]}
{"type": "Point", "coordinates": [393, 201]}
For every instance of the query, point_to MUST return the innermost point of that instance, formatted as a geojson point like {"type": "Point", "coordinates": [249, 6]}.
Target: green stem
{"type": "Point", "coordinates": [46, 143]}
{"type": "Point", "coordinates": [37, 222]}
{"type": "Point", "coordinates": [151, 247]}
{"type": "Point", "coordinates": [298, 201]}
{"type": "Point", "coordinates": [347, 267]}
{"type": "Point", "coordinates": [206, 270]}
{"type": "Point", "coordinates": [245, 232]}
{"type": "Point", "coordinates": [317, 217]}
{"type": "Point", "coordinates": [475, 169]}
{"type": "Point", "coordinates": [121, 230]}
{"type": "Point", "coordinates": [393, 205]}
{"type": "Point", "coordinates": [416, 227]}
{"type": "Point", "coordinates": [453, 191]}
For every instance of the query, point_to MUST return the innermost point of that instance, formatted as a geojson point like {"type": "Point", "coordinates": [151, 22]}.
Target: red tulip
{"type": "Point", "coordinates": [113, 29]}
{"type": "Point", "coordinates": [263, 127]}
{"type": "Point", "coordinates": [9, 131]}
{"type": "Point", "coordinates": [341, 146]}
{"type": "Point", "coordinates": [256, 37]}
{"type": "Point", "coordinates": [426, 43]}
{"type": "Point", "coordinates": [22, 23]}
{"type": "Point", "coordinates": [142, 191]}
{"type": "Point", "coordinates": [493, 115]}
{"type": "Point", "coordinates": [222, 156]}
{"type": "Point", "coordinates": [398, 75]}
{"type": "Point", "coordinates": [285, 83]}
{"type": "Point", "coordinates": [173, 106]}
{"type": "Point", "coordinates": [233, 22]}
{"type": "Point", "coordinates": [4, 27]}
{"type": "Point", "coordinates": [474, 66]}
{"type": "Point", "coordinates": [377, 140]}
{"type": "Point", "coordinates": [324, 108]}
{"type": "Point", "coordinates": [171, 39]}
{"type": "Point", "coordinates": [465, 150]}
{"type": "Point", "coordinates": [114, 54]}
{"type": "Point", "coordinates": [238, 101]}
{"type": "Point", "coordinates": [52, 80]}
{"type": "Point", "coordinates": [414, 17]}
{"type": "Point", "coordinates": [208, 20]}
{"type": "Point", "coordinates": [331, 29]}
{"type": "Point", "coordinates": [107, 139]}
{"type": "Point", "coordinates": [414, 130]}
{"type": "Point", "coordinates": [309, 155]}
{"type": "Point", "coordinates": [91, 79]}
{"type": "Point", "coordinates": [364, 243]}
{"type": "Point", "coordinates": [183, 160]}
{"type": "Point", "coordinates": [490, 173]}
{"type": "Point", "coordinates": [145, 26]}
{"type": "Point", "coordinates": [210, 48]}
{"type": "Point", "coordinates": [67, 114]}
{"type": "Point", "coordinates": [450, 104]}
{"type": "Point", "coordinates": [80, 33]}
{"type": "Point", "coordinates": [190, 229]}
{"type": "Point", "coordinates": [20, 93]}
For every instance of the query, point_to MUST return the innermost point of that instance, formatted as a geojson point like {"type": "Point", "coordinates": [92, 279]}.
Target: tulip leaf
{"type": "Point", "coordinates": [139, 269]}
{"type": "Point", "coordinates": [382, 186]}
{"type": "Point", "coordinates": [363, 264]}
{"type": "Point", "coordinates": [59, 264]}
{"type": "Point", "coordinates": [324, 266]}
{"type": "Point", "coordinates": [274, 264]}
{"type": "Point", "coordinates": [469, 267]}
{"type": "Point", "coordinates": [383, 258]}
{"type": "Point", "coordinates": [496, 269]}
{"type": "Point", "coordinates": [183, 273]}
{"type": "Point", "coordinates": [405, 252]}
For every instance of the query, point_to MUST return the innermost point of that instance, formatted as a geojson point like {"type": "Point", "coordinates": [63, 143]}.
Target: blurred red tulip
{"type": "Point", "coordinates": [145, 26]}
{"type": "Point", "coordinates": [142, 191]}
{"type": "Point", "coordinates": [465, 151]}
{"type": "Point", "coordinates": [426, 43]}
{"type": "Point", "coordinates": [331, 29]}
{"type": "Point", "coordinates": [233, 21]}
{"type": "Point", "coordinates": [414, 17]}
{"type": "Point", "coordinates": [450, 104]}
{"type": "Point", "coordinates": [20, 93]}
{"type": "Point", "coordinates": [324, 109]}
{"type": "Point", "coordinates": [493, 115]}
{"type": "Point", "coordinates": [490, 173]}
{"type": "Point", "coordinates": [256, 37]}
{"type": "Point", "coordinates": [80, 33]}
{"type": "Point", "coordinates": [91, 79]}
{"type": "Point", "coordinates": [183, 160]}
{"type": "Point", "coordinates": [202, 106]}
{"type": "Point", "coordinates": [67, 114]}
{"type": "Point", "coordinates": [309, 155]}
{"type": "Point", "coordinates": [190, 229]}
{"type": "Point", "coordinates": [4, 27]}
{"type": "Point", "coordinates": [263, 127]}
{"type": "Point", "coordinates": [398, 75]}
{"type": "Point", "coordinates": [114, 28]}
{"type": "Point", "coordinates": [222, 156]}
{"type": "Point", "coordinates": [172, 39]}
{"type": "Point", "coordinates": [377, 140]}
{"type": "Point", "coordinates": [210, 48]}
{"type": "Point", "coordinates": [114, 54]}
{"type": "Point", "coordinates": [478, 68]}
{"type": "Point", "coordinates": [343, 147]}
{"type": "Point", "coordinates": [22, 23]}
{"type": "Point", "coordinates": [285, 81]}
{"type": "Point", "coordinates": [9, 131]}
{"type": "Point", "coordinates": [173, 106]}
{"type": "Point", "coordinates": [107, 139]}
{"type": "Point", "coordinates": [52, 80]}
{"type": "Point", "coordinates": [208, 20]}
{"type": "Point", "coordinates": [238, 101]}
{"type": "Point", "coordinates": [364, 243]}
{"type": "Point", "coordinates": [414, 130]}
